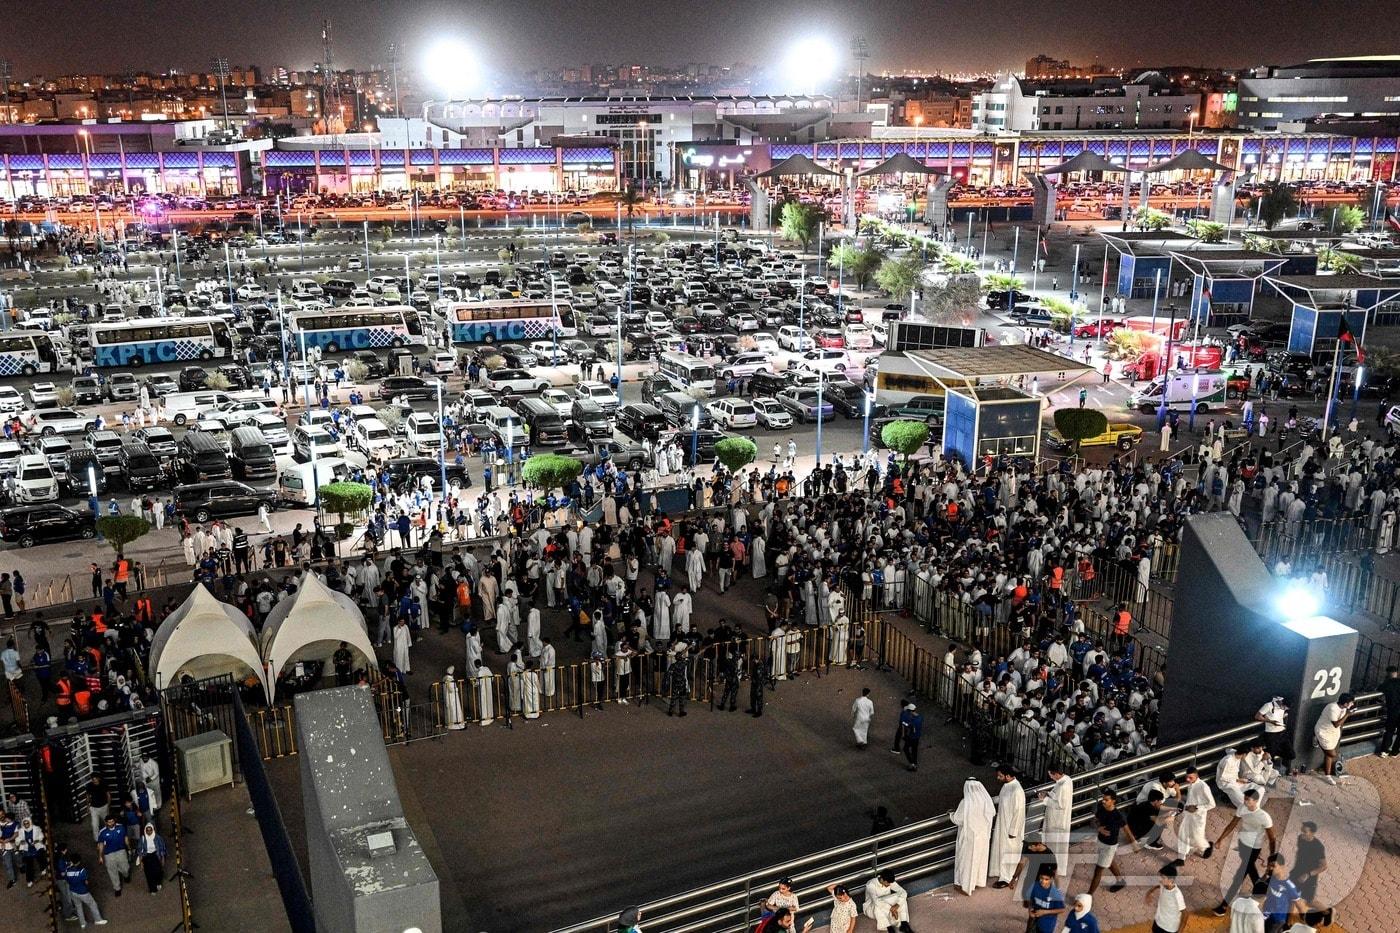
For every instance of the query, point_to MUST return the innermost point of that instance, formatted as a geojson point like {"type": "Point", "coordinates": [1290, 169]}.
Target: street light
{"type": "Point", "coordinates": [695, 436]}
{"type": "Point", "coordinates": [869, 402]}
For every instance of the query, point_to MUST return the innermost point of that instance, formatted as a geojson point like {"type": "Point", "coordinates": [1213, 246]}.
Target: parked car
{"type": "Point", "coordinates": [802, 403]}
{"type": "Point", "coordinates": [734, 413]}
{"type": "Point", "coordinates": [38, 524]}
{"type": "Point", "coordinates": [410, 387]}
{"type": "Point", "coordinates": [770, 414]}
{"type": "Point", "coordinates": [516, 380]}
{"type": "Point", "coordinates": [35, 480]}
{"type": "Point", "coordinates": [221, 499]}
{"type": "Point", "coordinates": [50, 421]}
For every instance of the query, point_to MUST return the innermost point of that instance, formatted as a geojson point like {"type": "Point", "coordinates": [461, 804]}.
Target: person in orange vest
{"type": "Point", "coordinates": [1122, 623]}
{"type": "Point", "coordinates": [121, 571]}
{"type": "Point", "coordinates": [82, 700]}
{"type": "Point", "coordinates": [1086, 574]}
{"type": "Point", "coordinates": [64, 699]}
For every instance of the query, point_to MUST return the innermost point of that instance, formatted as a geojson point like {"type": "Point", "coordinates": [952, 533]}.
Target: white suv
{"type": "Point", "coordinates": [745, 364]}
{"type": "Point", "coordinates": [34, 480]}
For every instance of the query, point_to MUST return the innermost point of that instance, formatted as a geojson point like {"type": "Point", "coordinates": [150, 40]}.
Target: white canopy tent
{"type": "Point", "coordinates": [204, 637]}
{"type": "Point", "coordinates": [312, 624]}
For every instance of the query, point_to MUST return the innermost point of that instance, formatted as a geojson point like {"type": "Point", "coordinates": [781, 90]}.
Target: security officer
{"type": "Point", "coordinates": [756, 678]}
{"type": "Point", "coordinates": [730, 672]}
{"type": "Point", "coordinates": [678, 674]}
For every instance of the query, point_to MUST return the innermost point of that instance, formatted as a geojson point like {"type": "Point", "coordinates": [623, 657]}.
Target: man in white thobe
{"type": "Point", "coordinates": [862, 712]}
{"type": "Point", "coordinates": [886, 902]}
{"type": "Point", "coordinates": [1197, 802]}
{"type": "Point", "coordinates": [485, 694]}
{"type": "Point", "coordinates": [403, 638]}
{"type": "Point", "coordinates": [549, 660]}
{"type": "Point", "coordinates": [505, 625]}
{"type": "Point", "coordinates": [532, 633]}
{"type": "Point", "coordinates": [1009, 833]}
{"type": "Point", "coordinates": [973, 818]}
{"type": "Point", "coordinates": [1059, 807]}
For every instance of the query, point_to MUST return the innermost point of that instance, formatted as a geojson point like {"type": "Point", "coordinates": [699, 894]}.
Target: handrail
{"type": "Point", "coordinates": [922, 849]}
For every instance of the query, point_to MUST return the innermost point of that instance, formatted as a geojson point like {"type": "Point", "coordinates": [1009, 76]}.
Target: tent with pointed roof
{"type": "Point", "coordinates": [796, 165]}
{"type": "Point", "coordinates": [1085, 161]}
{"type": "Point", "coordinates": [901, 163]}
{"type": "Point", "coordinates": [310, 625]}
{"type": "Point", "coordinates": [1189, 161]}
{"type": "Point", "coordinates": [204, 637]}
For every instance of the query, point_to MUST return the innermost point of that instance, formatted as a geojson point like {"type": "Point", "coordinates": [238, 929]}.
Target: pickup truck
{"type": "Point", "coordinates": [1122, 435]}
{"type": "Point", "coordinates": [625, 453]}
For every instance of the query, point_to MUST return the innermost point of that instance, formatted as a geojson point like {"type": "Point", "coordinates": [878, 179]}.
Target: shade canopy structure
{"type": "Point", "coordinates": [1086, 161]}
{"type": "Point", "coordinates": [204, 637]}
{"type": "Point", "coordinates": [796, 165]}
{"type": "Point", "coordinates": [901, 163]}
{"type": "Point", "coordinates": [1189, 161]}
{"type": "Point", "coordinates": [311, 625]}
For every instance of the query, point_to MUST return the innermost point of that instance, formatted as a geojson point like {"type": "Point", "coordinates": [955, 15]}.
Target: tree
{"type": "Point", "coordinates": [1338, 261]}
{"type": "Point", "coordinates": [1002, 282]}
{"type": "Point", "coordinates": [1343, 218]}
{"type": "Point", "coordinates": [1149, 218]}
{"type": "Point", "coordinates": [1061, 313]}
{"type": "Point", "coordinates": [899, 276]}
{"type": "Point", "coordinates": [1275, 201]}
{"type": "Point", "coordinates": [547, 471]}
{"type": "Point", "coordinates": [799, 222]}
{"type": "Point", "coordinates": [1207, 231]}
{"type": "Point", "coordinates": [386, 233]}
{"type": "Point", "coordinates": [865, 264]}
{"type": "Point", "coordinates": [953, 302]}
{"type": "Point", "coordinates": [736, 453]}
{"type": "Point", "coordinates": [345, 499]}
{"type": "Point", "coordinates": [953, 264]}
{"type": "Point", "coordinates": [217, 381]}
{"type": "Point", "coordinates": [631, 201]}
{"type": "Point", "coordinates": [1076, 424]}
{"type": "Point", "coordinates": [843, 256]}
{"type": "Point", "coordinates": [905, 436]}
{"type": "Point", "coordinates": [121, 530]}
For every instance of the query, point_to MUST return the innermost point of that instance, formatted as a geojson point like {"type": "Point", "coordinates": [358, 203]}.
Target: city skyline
{"type": "Point", "coordinates": [956, 36]}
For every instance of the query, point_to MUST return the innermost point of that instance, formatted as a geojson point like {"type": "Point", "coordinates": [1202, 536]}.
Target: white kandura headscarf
{"type": "Point", "coordinates": [1087, 900]}
{"type": "Point", "coordinates": [979, 802]}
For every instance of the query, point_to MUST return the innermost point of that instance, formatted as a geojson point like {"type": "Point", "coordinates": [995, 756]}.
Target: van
{"type": "Point", "coordinates": [506, 426]}
{"type": "Point", "coordinates": [546, 428]}
{"type": "Point", "coordinates": [199, 457]}
{"type": "Point", "coordinates": [140, 467]}
{"type": "Point", "coordinates": [682, 410]}
{"type": "Point", "coordinates": [300, 482]}
{"type": "Point", "coordinates": [250, 454]}
{"type": "Point", "coordinates": [180, 407]}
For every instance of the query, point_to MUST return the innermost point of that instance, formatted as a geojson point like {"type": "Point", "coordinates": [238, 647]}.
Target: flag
{"type": "Point", "coordinates": [1344, 335]}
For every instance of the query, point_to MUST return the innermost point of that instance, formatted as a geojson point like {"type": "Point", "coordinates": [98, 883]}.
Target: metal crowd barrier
{"type": "Point", "coordinates": [921, 851]}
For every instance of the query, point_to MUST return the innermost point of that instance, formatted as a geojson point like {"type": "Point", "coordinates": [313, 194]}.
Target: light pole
{"type": "Point", "coordinates": [554, 350]}
{"type": "Point", "coordinates": [93, 504]}
{"type": "Point", "coordinates": [228, 269]}
{"type": "Point", "coordinates": [442, 444]}
{"type": "Point", "coordinates": [821, 385]}
{"type": "Point", "coordinates": [366, 247]}
{"type": "Point", "coordinates": [631, 266]}
{"type": "Point", "coordinates": [869, 399]}
{"type": "Point", "coordinates": [695, 436]}
{"type": "Point", "coordinates": [1015, 249]}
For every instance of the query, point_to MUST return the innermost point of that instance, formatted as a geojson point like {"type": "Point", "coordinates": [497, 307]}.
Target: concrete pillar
{"type": "Point", "coordinates": [1043, 200]}
{"type": "Point", "coordinates": [1222, 199]}
{"type": "Point", "coordinates": [758, 205]}
{"type": "Point", "coordinates": [936, 207]}
{"type": "Point", "coordinates": [848, 199]}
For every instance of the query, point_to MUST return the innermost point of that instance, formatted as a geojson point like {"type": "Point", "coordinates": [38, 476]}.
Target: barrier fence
{"type": "Point", "coordinates": [922, 851]}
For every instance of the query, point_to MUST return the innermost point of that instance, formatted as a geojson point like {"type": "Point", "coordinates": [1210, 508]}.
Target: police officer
{"type": "Point", "coordinates": [342, 660]}
{"type": "Point", "coordinates": [731, 672]}
{"type": "Point", "coordinates": [756, 678]}
{"type": "Point", "coordinates": [678, 674]}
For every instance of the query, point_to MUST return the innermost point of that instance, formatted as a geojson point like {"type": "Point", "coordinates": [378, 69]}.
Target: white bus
{"type": "Point", "coordinates": [159, 340]}
{"type": "Point", "coordinates": [26, 352]}
{"type": "Point", "coordinates": [356, 328]}
{"type": "Point", "coordinates": [508, 320]}
{"type": "Point", "coordinates": [693, 373]}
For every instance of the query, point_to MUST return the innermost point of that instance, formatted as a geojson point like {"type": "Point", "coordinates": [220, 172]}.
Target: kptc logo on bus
{"type": "Point", "coordinates": [160, 351]}
{"type": "Point", "coordinates": [480, 331]}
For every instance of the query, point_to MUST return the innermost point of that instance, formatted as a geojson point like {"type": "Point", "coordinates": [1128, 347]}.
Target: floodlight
{"type": "Point", "coordinates": [1298, 603]}
{"type": "Point", "coordinates": [452, 66]}
{"type": "Point", "coordinates": [809, 62]}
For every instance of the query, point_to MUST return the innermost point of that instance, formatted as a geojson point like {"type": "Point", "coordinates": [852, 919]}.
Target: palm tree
{"type": "Point", "coordinates": [631, 200]}
{"type": "Point", "coordinates": [957, 265]}
{"type": "Point", "coordinates": [1275, 201]}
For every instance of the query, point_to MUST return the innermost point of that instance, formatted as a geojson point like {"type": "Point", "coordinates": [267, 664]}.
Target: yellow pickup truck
{"type": "Point", "coordinates": [1120, 434]}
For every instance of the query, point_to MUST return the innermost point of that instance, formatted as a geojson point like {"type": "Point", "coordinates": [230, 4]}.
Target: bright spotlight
{"type": "Point", "coordinates": [452, 67]}
{"type": "Point", "coordinates": [809, 64]}
{"type": "Point", "coordinates": [1298, 603]}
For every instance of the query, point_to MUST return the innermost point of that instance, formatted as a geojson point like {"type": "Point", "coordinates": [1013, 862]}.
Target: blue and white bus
{"type": "Point", "coordinates": [160, 340]}
{"type": "Point", "coordinates": [26, 352]}
{"type": "Point", "coordinates": [336, 329]}
{"type": "Point", "coordinates": [510, 320]}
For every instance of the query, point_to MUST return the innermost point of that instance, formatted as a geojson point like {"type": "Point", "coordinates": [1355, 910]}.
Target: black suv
{"type": "Point", "coordinates": [221, 498]}
{"type": "Point", "coordinates": [372, 362]}
{"type": "Point", "coordinates": [35, 524]}
{"type": "Point", "coordinates": [769, 384]}
{"type": "Point", "coordinates": [409, 387]}
{"type": "Point", "coordinates": [656, 385]}
{"type": "Point", "coordinates": [193, 378]}
{"type": "Point", "coordinates": [849, 399]}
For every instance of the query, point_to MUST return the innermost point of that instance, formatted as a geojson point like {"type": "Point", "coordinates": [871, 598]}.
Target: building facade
{"type": "Point", "coordinates": [1276, 98]}
{"type": "Point", "coordinates": [1020, 105]}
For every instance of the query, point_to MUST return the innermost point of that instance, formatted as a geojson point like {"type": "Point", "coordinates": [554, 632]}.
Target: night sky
{"type": "Point", "coordinates": [57, 36]}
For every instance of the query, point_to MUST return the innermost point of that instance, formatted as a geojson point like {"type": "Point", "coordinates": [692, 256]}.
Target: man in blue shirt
{"type": "Point", "coordinates": [76, 877]}
{"type": "Point", "coordinates": [111, 853]}
{"type": "Point", "coordinates": [1283, 897]}
{"type": "Point", "coordinates": [1045, 902]}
